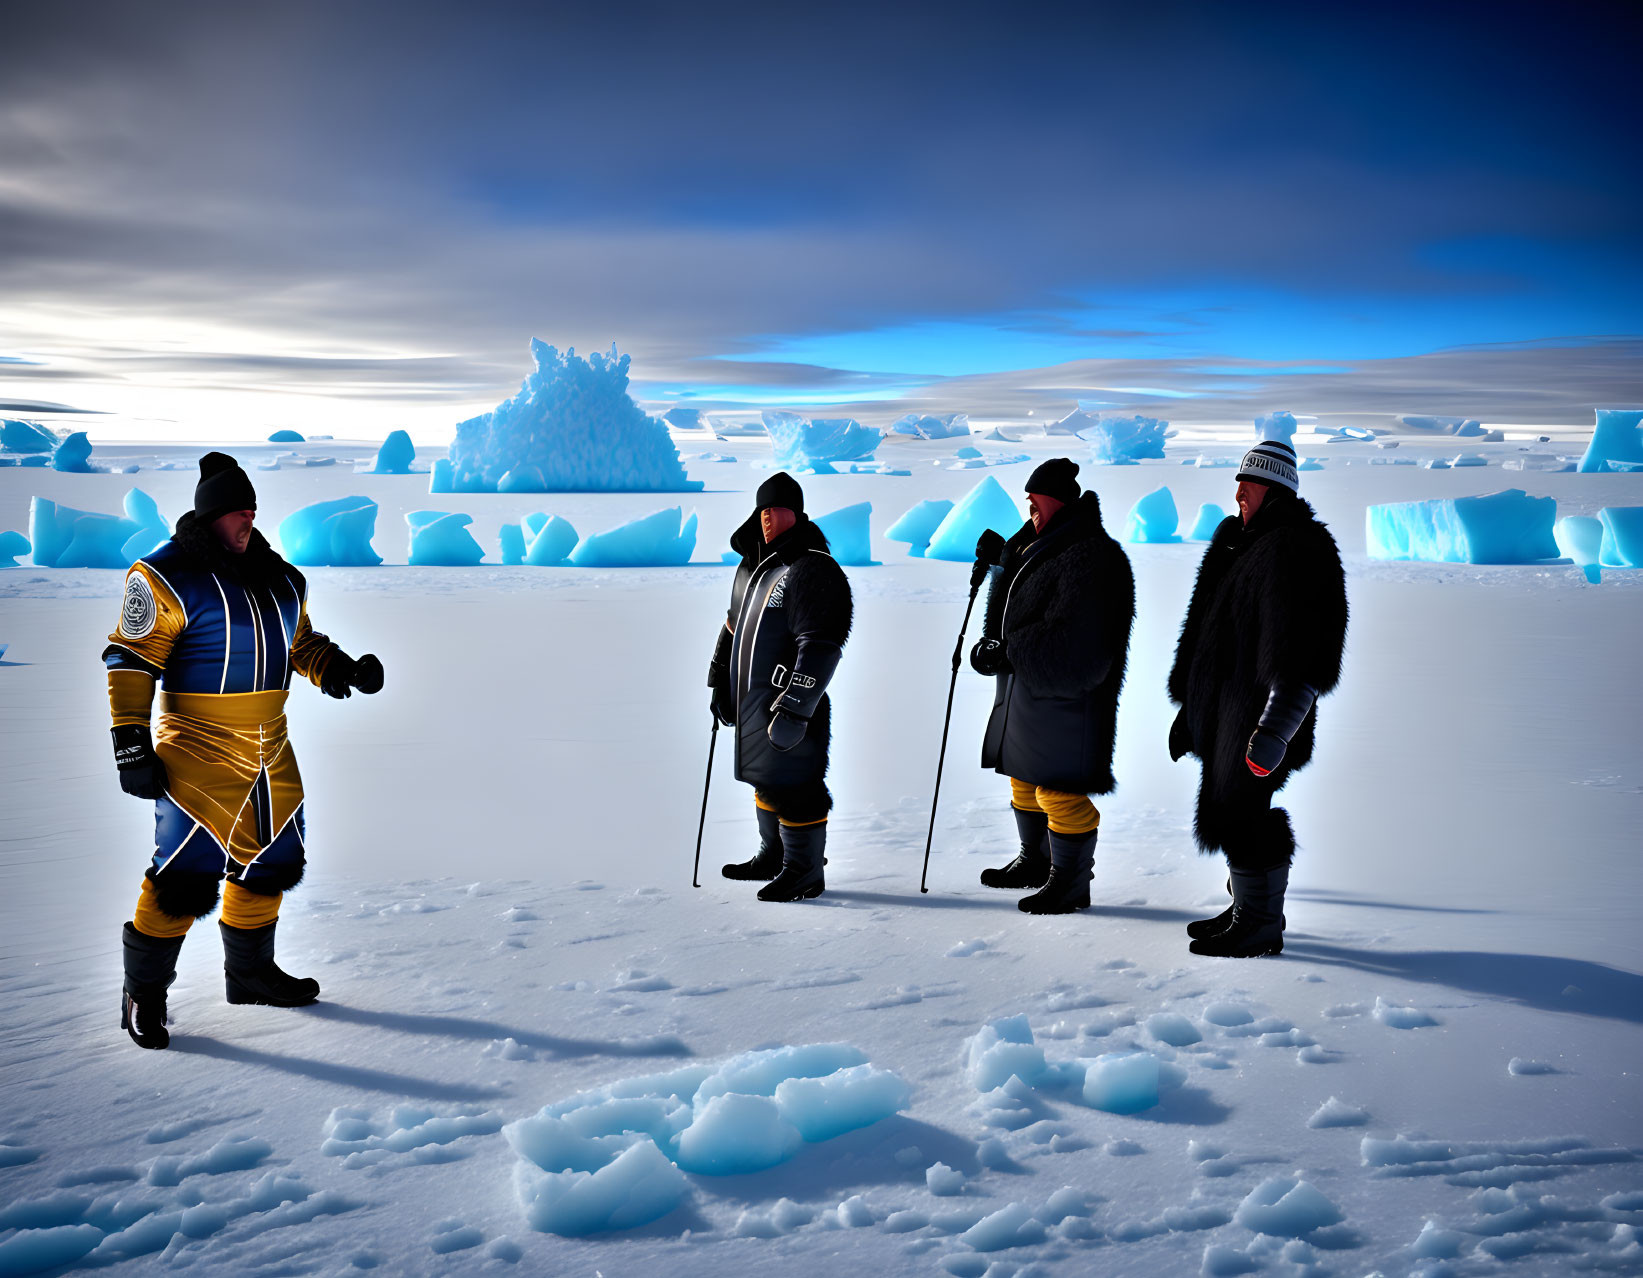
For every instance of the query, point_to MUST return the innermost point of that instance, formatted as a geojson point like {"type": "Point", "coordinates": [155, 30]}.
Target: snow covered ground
{"type": "Point", "coordinates": [1440, 1074]}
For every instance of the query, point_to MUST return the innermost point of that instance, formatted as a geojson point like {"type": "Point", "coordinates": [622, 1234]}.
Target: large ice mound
{"type": "Point", "coordinates": [25, 437]}
{"type": "Point", "coordinates": [1501, 528]}
{"type": "Point", "coordinates": [64, 537]}
{"type": "Point", "coordinates": [285, 437]}
{"type": "Point", "coordinates": [13, 544]}
{"type": "Point", "coordinates": [1279, 425]}
{"type": "Point", "coordinates": [396, 455]}
{"type": "Point", "coordinates": [849, 534]}
{"type": "Point", "coordinates": [1153, 518]}
{"type": "Point", "coordinates": [73, 455]}
{"type": "Point", "coordinates": [1209, 519]}
{"type": "Point", "coordinates": [1622, 545]}
{"type": "Point", "coordinates": [573, 427]}
{"type": "Point", "coordinates": [925, 426]}
{"type": "Point", "coordinates": [334, 534]}
{"type": "Point", "coordinates": [985, 506]}
{"type": "Point", "coordinates": [1579, 539]}
{"type": "Point", "coordinates": [1121, 441]}
{"type": "Point", "coordinates": [616, 1157]}
{"type": "Point", "coordinates": [1617, 436]}
{"type": "Point", "coordinates": [658, 540]}
{"type": "Point", "coordinates": [919, 524]}
{"type": "Point", "coordinates": [541, 541]}
{"type": "Point", "coordinates": [441, 539]}
{"type": "Point", "coordinates": [797, 444]}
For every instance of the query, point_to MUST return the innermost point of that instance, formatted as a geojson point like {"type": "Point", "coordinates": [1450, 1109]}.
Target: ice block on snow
{"type": "Point", "coordinates": [550, 542]}
{"type": "Point", "coordinates": [985, 506]}
{"type": "Point", "coordinates": [798, 444]}
{"type": "Point", "coordinates": [441, 539]}
{"type": "Point", "coordinates": [947, 426]}
{"type": "Point", "coordinates": [1119, 441]}
{"type": "Point", "coordinates": [1580, 538]}
{"type": "Point", "coordinates": [395, 455]}
{"type": "Point", "coordinates": [849, 533]}
{"type": "Point", "coordinates": [13, 544]}
{"type": "Point", "coordinates": [334, 534]}
{"type": "Point", "coordinates": [658, 540]}
{"type": "Point", "coordinates": [1501, 528]}
{"type": "Point", "coordinates": [73, 455]}
{"type": "Point", "coordinates": [1617, 436]}
{"type": "Point", "coordinates": [1622, 536]}
{"type": "Point", "coordinates": [25, 437]}
{"type": "Point", "coordinates": [1153, 518]}
{"type": "Point", "coordinates": [919, 524]}
{"type": "Point", "coordinates": [1209, 519]}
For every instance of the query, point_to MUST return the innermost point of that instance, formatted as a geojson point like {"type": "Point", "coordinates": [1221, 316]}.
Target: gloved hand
{"type": "Point", "coordinates": [1265, 752]}
{"type": "Point", "coordinates": [338, 678]}
{"type": "Point", "coordinates": [724, 704]}
{"type": "Point", "coordinates": [142, 775]}
{"type": "Point", "coordinates": [786, 730]}
{"type": "Point", "coordinates": [989, 553]}
{"type": "Point", "coordinates": [989, 658]}
{"type": "Point", "coordinates": [367, 676]}
{"type": "Point", "coordinates": [1180, 737]}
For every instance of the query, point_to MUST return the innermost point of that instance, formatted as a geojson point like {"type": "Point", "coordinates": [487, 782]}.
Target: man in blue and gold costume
{"type": "Point", "coordinates": [220, 622]}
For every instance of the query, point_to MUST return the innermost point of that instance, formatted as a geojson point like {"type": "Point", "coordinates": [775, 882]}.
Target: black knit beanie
{"type": "Point", "coordinates": [1056, 478]}
{"type": "Point", "coordinates": [223, 487]}
{"type": "Point", "coordinates": [781, 489]}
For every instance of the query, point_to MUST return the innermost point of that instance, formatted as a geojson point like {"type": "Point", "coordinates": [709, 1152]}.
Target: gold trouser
{"type": "Point", "coordinates": [758, 802]}
{"type": "Point", "coordinates": [1068, 813]}
{"type": "Point", "coordinates": [240, 908]}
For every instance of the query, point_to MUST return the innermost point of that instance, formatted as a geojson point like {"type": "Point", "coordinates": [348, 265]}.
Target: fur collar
{"type": "Point", "coordinates": [259, 565]}
{"type": "Point", "coordinates": [748, 540]}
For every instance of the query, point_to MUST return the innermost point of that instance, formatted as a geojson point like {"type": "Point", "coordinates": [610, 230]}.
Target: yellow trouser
{"type": "Point", "coordinates": [240, 908]}
{"type": "Point", "coordinates": [758, 802]}
{"type": "Point", "coordinates": [1068, 813]}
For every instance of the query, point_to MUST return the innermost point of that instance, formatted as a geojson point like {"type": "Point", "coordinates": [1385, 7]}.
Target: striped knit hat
{"type": "Point", "coordinates": [1271, 462]}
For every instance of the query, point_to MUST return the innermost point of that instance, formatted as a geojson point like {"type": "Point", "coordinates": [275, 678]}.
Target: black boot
{"type": "Point", "coordinates": [1209, 927]}
{"type": "Point", "coordinates": [253, 976]}
{"type": "Point", "coordinates": [768, 863]}
{"type": "Point", "coordinates": [1257, 925]}
{"type": "Point", "coordinates": [150, 967]}
{"type": "Point", "coordinates": [1072, 861]}
{"type": "Point", "coordinates": [1032, 867]}
{"type": "Point", "coordinates": [802, 861]}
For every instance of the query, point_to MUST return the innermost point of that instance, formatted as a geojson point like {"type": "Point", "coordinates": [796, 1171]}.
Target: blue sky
{"type": "Point", "coordinates": [363, 212]}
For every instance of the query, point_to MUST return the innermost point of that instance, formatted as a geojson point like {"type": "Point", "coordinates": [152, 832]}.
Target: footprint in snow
{"type": "Point", "coordinates": [454, 1235]}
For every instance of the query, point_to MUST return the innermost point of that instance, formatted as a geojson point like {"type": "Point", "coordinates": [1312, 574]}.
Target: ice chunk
{"type": "Point", "coordinates": [734, 1133]}
{"type": "Point", "coordinates": [1209, 519]}
{"type": "Point", "coordinates": [1502, 528]}
{"type": "Point", "coordinates": [285, 437]}
{"type": "Point", "coordinates": [1337, 1113]}
{"type": "Point", "coordinates": [842, 1101]}
{"type": "Point", "coordinates": [522, 479]}
{"type": "Point", "coordinates": [573, 424]}
{"type": "Point", "coordinates": [13, 544]}
{"type": "Point", "coordinates": [1286, 1208]}
{"type": "Point", "coordinates": [334, 534]}
{"type": "Point", "coordinates": [152, 529]}
{"type": "Point", "coordinates": [948, 426]}
{"type": "Point", "coordinates": [1122, 441]}
{"type": "Point", "coordinates": [73, 455]}
{"type": "Point", "coordinates": [1153, 519]}
{"type": "Point", "coordinates": [1173, 1028]}
{"type": "Point", "coordinates": [550, 542]}
{"type": "Point", "coordinates": [32, 1251]}
{"type": "Point", "coordinates": [985, 506]}
{"type": "Point", "coordinates": [1437, 1243]}
{"type": "Point", "coordinates": [1279, 425]}
{"type": "Point", "coordinates": [441, 539]}
{"type": "Point", "coordinates": [63, 537]}
{"type": "Point", "coordinates": [395, 456]}
{"type": "Point", "coordinates": [1404, 1018]}
{"type": "Point", "coordinates": [1617, 436]}
{"type": "Point", "coordinates": [1465, 426]}
{"type": "Point", "coordinates": [1580, 538]}
{"type": "Point", "coordinates": [798, 444]}
{"type": "Point", "coordinates": [25, 437]}
{"type": "Point", "coordinates": [1002, 1049]}
{"type": "Point", "coordinates": [512, 541]}
{"type": "Point", "coordinates": [919, 524]}
{"type": "Point", "coordinates": [684, 418]}
{"type": "Point", "coordinates": [1122, 1082]}
{"type": "Point", "coordinates": [1228, 1015]}
{"type": "Point", "coordinates": [854, 1213]}
{"type": "Point", "coordinates": [1520, 1066]}
{"type": "Point", "coordinates": [1622, 545]}
{"type": "Point", "coordinates": [943, 1181]}
{"type": "Point", "coordinates": [1011, 1226]}
{"type": "Point", "coordinates": [638, 1186]}
{"type": "Point", "coordinates": [1467, 459]}
{"type": "Point", "coordinates": [849, 533]}
{"type": "Point", "coordinates": [967, 453]}
{"type": "Point", "coordinates": [657, 540]}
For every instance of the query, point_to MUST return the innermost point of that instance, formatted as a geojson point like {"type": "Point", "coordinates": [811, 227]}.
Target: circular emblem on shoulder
{"type": "Point", "coordinates": [137, 612]}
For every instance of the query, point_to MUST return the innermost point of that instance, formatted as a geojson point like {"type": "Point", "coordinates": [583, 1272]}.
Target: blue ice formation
{"type": "Point", "coordinates": [512, 541]}
{"type": "Point", "coordinates": [63, 537]}
{"type": "Point", "coordinates": [684, 418]}
{"type": "Point", "coordinates": [1279, 425]}
{"type": "Point", "coordinates": [1153, 519]}
{"type": "Point", "coordinates": [1209, 519]}
{"type": "Point", "coordinates": [34, 459]}
{"type": "Point", "coordinates": [396, 455]}
{"type": "Point", "coordinates": [1622, 536]}
{"type": "Point", "coordinates": [522, 479]}
{"type": "Point", "coordinates": [924, 426]}
{"type": "Point", "coordinates": [1468, 459]}
{"type": "Point", "coordinates": [967, 452]}
{"type": "Point", "coordinates": [13, 544]}
{"type": "Point", "coordinates": [617, 1157]}
{"type": "Point", "coordinates": [334, 534]}
{"type": "Point", "coordinates": [1122, 1082]}
{"type": "Point", "coordinates": [658, 540]}
{"type": "Point", "coordinates": [1579, 539]}
{"type": "Point", "coordinates": [1463, 426]}
{"type": "Point", "coordinates": [1001, 1050]}
{"type": "Point", "coordinates": [440, 539]}
{"type": "Point", "coordinates": [1501, 528]}
{"type": "Point", "coordinates": [1285, 1207]}
{"type": "Point", "coordinates": [285, 437]}
{"type": "Point", "coordinates": [1617, 436]}
{"type": "Point", "coordinates": [1003, 1061]}
{"type": "Point", "coordinates": [797, 444]}
{"type": "Point", "coordinates": [25, 437]}
{"type": "Point", "coordinates": [849, 534]}
{"type": "Point", "coordinates": [919, 524]}
{"type": "Point", "coordinates": [985, 506]}
{"type": "Point", "coordinates": [1122, 441]}
{"type": "Point", "coordinates": [982, 462]}
{"type": "Point", "coordinates": [572, 424]}
{"type": "Point", "coordinates": [541, 541]}
{"type": "Point", "coordinates": [73, 455]}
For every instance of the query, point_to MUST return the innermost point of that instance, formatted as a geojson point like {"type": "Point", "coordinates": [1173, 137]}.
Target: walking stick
{"type": "Point", "coordinates": [978, 574]}
{"type": "Point", "coordinates": [696, 870]}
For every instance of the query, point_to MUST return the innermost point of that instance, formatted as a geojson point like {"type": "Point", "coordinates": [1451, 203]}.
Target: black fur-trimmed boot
{"type": "Point", "coordinates": [150, 967]}
{"type": "Point", "coordinates": [253, 976]}
{"type": "Point", "coordinates": [1209, 927]}
{"type": "Point", "coordinates": [768, 863]}
{"type": "Point", "coordinates": [1257, 925]}
{"type": "Point", "coordinates": [1072, 862]}
{"type": "Point", "coordinates": [802, 860]}
{"type": "Point", "coordinates": [1031, 868]}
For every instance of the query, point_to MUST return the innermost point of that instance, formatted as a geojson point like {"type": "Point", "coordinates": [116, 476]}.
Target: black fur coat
{"type": "Point", "coordinates": [1063, 603]}
{"type": "Point", "coordinates": [260, 565]}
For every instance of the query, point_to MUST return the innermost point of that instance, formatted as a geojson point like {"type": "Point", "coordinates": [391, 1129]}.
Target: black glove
{"type": "Point", "coordinates": [1287, 706]}
{"type": "Point", "coordinates": [339, 676]}
{"type": "Point", "coordinates": [1266, 751]}
{"type": "Point", "coordinates": [988, 658]}
{"type": "Point", "coordinates": [786, 730]}
{"type": "Point", "coordinates": [1180, 737]}
{"type": "Point", "coordinates": [989, 553]}
{"type": "Point", "coordinates": [723, 702]}
{"type": "Point", "coordinates": [141, 772]}
{"type": "Point", "coordinates": [367, 676]}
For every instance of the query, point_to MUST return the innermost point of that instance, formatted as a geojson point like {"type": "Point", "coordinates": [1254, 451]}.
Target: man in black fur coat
{"type": "Point", "coordinates": [1056, 637]}
{"type": "Point", "coordinates": [1262, 641]}
{"type": "Point", "coordinates": [790, 613]}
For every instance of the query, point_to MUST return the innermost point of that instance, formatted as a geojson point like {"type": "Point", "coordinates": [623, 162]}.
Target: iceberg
{"type": "Point", "coordinates": [574, 426]}
{"type": "Point", "coordinates": [551, 540]}
{"type": "Point", "coordinates": [985, 506]}
{"type": "Point", "coordinates": [73, 455]}
{"type": "Point", "coordinates": [396, 455]}
{"type": "Point", "coordinates": [849, 534]}
{"type": "Point", "coordinates": [1209, 519]}
{"type": "Point", "coordinates": [1153, 519]}
{"type": "Point", "coordinates": [441, 539]}
{"type": "Point", "coordinates": [1501, 528]}
{"type": "Point", "coordinates": [1580, 539]}
{"type": "Point", "coordinates": [25, 437]}
{"type": "Point", "coordinates": [1121, 441]}
{"type": "Point", "coordinates": [684, 418]}
{"type": "Point", "coordinates": [285, 437]}
{"type": "Point", "coordinates": [13, 544]}
{"type": "Point", "coordinates": [1279, 425]}
{"type": "Point", "coordinates": [798, 444]}
{"type": "Point", "coordinates": [63, 537]}
{"type": "Point", "coordinates": [1464, 426]}
{"type": "Point", "coordinates": [1617, 437]}
{"type": "Point", "coordinates": [924, 426]}
{"type": "Point", "coordinates": [1622, 536]}
{"type": "Point", "coordinates": [919, 524]}
{"type": "Point", "coordinates": [331, 534]}
{"type": "Point", "coordinates": [658, 540]}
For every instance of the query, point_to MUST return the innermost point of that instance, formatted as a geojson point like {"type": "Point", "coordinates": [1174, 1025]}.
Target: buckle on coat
{"type": "Point", "coordinates": [778, 677]}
